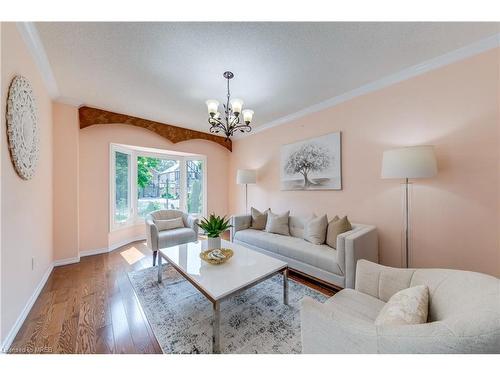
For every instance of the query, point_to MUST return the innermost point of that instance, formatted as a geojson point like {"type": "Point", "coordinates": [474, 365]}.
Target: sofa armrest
{"type": "Point", "coordinates": [358, 244]}
{"type": "Point", "coordinates": [239, 222]}
{"type": "Point", "coordinates": [325, 330]}
{"type": "Point", "coordinates": [190, 221]}
{"type": "Point", "coordinates": [151, 233]}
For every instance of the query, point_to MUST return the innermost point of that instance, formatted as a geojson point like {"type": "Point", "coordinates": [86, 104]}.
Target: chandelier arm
{"type": "Point", "coordinates": [214, 121]}
{"type": "Point", "coordinates": [245, 127]}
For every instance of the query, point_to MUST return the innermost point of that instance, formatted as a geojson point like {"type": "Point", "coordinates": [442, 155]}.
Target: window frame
{"type": "Point", "coordinates": [133, 153]}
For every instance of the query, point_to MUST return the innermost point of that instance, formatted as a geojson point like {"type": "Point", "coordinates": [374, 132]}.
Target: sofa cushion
{"type": "Point", "coordinates": [408, 306]}
{"type": "Point", "coordinates": [315, 230]}
{"type": "Point", "coordinates": [356, 304]}
{"type": "Point", "coordinates": [175, 237]}
{"type": "Point", "coordinates": [278, 223]}
{"type": "Point", "coordinates": [259, 219]}
{"type": "Point", "coordinates": [320, 256]}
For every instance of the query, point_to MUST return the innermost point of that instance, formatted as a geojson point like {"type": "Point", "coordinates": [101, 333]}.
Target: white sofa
{"type": "Point", "coordinates": [464, 314]}
{"type": "Point", "coordinates": [335, 266]}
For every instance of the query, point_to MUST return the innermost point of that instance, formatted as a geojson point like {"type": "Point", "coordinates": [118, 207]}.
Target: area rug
{"type": "Point", "coordinates": [254, 321]}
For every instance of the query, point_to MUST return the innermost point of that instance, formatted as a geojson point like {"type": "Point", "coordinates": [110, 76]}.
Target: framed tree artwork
{"type": "Point", "coordinates": [312, 164]}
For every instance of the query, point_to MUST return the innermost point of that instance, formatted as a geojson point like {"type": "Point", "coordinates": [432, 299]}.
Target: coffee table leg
{"type": "Point", "coordinates": [159, 267]}
{"type": "Point", "coordinates": [285, 286]}
{"type": "Point", "coordinates": [216, 328]}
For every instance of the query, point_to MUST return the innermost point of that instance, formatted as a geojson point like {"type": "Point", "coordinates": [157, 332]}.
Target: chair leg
{"type": "Point", "coordinates": [154, 257]}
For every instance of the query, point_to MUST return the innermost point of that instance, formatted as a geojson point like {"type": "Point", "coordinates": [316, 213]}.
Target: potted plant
{"type": "Point", "coordinates": [213, 227]}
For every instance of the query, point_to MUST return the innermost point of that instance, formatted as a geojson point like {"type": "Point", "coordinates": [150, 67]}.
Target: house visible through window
{"type": "Point", "coordinates": [156, 180]}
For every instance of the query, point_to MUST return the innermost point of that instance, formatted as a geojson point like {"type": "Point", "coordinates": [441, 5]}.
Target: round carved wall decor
{"type": "Point", "coordinates": [22, 127]}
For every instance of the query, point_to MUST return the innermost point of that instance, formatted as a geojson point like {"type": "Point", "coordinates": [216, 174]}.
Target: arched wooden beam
{"type": "Point", "coordinates": [92, 116]}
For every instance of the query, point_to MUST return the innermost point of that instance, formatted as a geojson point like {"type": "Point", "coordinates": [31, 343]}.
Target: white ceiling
{"type": "Point", "coordinates": [166, 71]}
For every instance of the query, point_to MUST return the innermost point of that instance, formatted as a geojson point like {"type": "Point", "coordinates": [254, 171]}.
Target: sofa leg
{"type": "Point", "coordinates": [154, 258]}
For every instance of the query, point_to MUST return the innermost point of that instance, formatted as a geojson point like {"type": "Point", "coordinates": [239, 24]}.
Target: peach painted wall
{"type": "Point", "coordinates": [26, 205]}
{"type": "Point", "coordinates": [455, 215]}
{"type": "Point", "coordinates": [65, 176]}
{"type": "Point", "coordinates": [94, 178]}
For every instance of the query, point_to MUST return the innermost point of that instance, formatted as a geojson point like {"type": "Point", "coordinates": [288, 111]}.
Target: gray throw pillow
{"type": "Point", "coordinates": [259, 219]}
{"type": "Point", "coordinates": [315, 230]}
{"type": "Point", "coordinates": [278, 223]}
{"type": "Point", "coordinates": [336, 227]}
{"type": "Point", "coordinates": [169, 224]}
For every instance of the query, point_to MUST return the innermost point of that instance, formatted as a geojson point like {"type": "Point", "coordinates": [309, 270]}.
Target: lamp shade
{"type": "Point", "coordinates": [409, 162]}
{"type": "Point", "coordinates": [246, 176]}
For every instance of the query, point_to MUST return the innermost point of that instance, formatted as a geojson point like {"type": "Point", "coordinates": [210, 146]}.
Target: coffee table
{"type": "Point", "coordinates": [245, 269]}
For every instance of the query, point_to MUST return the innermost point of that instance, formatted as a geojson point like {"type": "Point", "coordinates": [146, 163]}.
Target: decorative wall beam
{"type": "Point", "coordinates": [92, 116]}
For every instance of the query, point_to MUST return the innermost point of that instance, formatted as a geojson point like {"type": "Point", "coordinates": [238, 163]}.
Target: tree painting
{"type": "Point", "coordinates": [308, 158]}
{"type": "Point", "coordinates": [312, 164]}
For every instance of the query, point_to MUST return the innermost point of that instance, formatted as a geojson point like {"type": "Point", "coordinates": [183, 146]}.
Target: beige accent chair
{"type": "Point", "coordinates": [464, 314]}
{"type": "Point", "coordinates": [159, 239]}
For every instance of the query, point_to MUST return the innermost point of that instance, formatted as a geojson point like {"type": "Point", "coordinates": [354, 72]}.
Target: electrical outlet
{"type": "Point", "coordinates": [32, 263]}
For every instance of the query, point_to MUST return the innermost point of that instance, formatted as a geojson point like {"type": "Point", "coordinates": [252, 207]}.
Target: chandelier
{"type": "Point", "coordinates": [231, 120]}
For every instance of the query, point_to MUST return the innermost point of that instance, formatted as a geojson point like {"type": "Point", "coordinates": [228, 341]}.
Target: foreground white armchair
{"type": "Point", "coordinates": [464, 314]}
{"type": "Point", "coordinates": [158, 239]}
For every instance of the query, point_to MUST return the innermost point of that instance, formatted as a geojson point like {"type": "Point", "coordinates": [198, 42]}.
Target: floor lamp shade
{"type": "Point", "coordinates": [409, 162]}
{"type": "Point", "coordinates": [406, 163]}
{"type": "Point", "coordinates": [246, 176]}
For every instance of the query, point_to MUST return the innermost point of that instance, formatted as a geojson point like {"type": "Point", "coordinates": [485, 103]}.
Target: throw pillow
{"type": "Point", "coordinates": [278, 223]}
{"type": "Point", "coordinates": [259, 219]}
{"type": "Point", "coordinates": [336, 227]}
{"type": "Point", "coordinates": [315, 230]}
{"type": "Point", "coordinates": [169, 224]}
{"type": "Point", "coordinates": [408, 306]}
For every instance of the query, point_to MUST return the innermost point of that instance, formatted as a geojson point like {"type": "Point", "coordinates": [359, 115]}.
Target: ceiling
{"type": "Point", "coordinates": [166, 71]}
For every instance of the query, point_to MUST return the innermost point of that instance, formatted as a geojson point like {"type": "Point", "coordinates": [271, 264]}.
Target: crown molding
{"type": "Point", "coordinates": [30, 36]}
{"type": "Point", "coordinates": [413, 71]}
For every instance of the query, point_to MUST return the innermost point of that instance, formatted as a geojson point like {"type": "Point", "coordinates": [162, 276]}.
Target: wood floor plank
{"type": "Point", "coordinates": [105, 342]}
{"type": "Point", "coordinates": [86, 337]}
{"type": "Point", "coordinates": [121, 330]}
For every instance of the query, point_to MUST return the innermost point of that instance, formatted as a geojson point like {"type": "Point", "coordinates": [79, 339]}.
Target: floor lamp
{"type": "Point", "coordinates": [406, 163]}
{"type": "Point", "coordinates": [245, 177]}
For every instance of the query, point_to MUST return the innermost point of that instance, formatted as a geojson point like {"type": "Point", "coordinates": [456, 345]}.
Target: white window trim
{"type": "Point", "coordinates": [135, 219]}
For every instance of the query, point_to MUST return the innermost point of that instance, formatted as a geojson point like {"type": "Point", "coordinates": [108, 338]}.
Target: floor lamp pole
{"type": "Point", "coordinates": [407, 224]}
{"type": "Point", "coordinates": [246, 198]}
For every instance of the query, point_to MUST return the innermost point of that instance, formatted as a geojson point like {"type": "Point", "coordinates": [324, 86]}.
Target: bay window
{"type": "Point", "coordinates": [146, 180]}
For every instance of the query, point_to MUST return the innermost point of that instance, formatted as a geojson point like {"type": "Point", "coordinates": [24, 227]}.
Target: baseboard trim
{"type": "Point", "coordinates": [87, 253]}
{"type": "Point", "coordinates": [126, 242]}
{"type": "Point", "coordinates": [64, 262]}
{"type": "Point", "coordinates": [27, 308]}
{"type": "Point", "coordinates": [103, 250]}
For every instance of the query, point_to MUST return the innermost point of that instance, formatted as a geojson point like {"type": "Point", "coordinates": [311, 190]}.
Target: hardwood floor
{"type": "Point", "coordinates": [91, 307]}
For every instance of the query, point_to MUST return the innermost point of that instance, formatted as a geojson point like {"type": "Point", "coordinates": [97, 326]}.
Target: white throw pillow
{"type": "Point", "coordinates": [278, 223]}
{"type": "Point", "coordinates": [315, 230]}
{"type": "Point", "coordinates": [169, 224]}
{"type": "Point", "coordinates": [408, 306]}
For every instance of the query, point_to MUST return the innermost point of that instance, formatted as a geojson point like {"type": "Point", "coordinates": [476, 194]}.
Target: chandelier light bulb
{"type": "Point", "coordinates": [236, 105]}
{"type": "Point", "coordinates": [212, 106]}
{"type": "Point", "coordinates": [247, 116]}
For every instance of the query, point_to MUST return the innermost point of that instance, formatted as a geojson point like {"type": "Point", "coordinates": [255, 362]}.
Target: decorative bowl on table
{"type": "Point", "coordinates": [216, 256]}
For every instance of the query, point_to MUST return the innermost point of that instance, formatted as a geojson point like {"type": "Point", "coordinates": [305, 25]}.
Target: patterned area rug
{"type": "Point", "coordinates": [254, 321]}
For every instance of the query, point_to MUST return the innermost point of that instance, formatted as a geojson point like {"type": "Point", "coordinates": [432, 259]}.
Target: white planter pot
{"type": "Point", "coordinates": [213, 243]}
